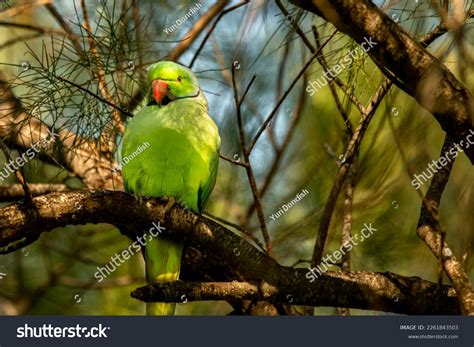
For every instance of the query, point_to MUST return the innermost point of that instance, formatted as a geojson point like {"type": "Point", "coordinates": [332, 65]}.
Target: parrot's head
{"type": "Point", "coordinates": [168, 81]}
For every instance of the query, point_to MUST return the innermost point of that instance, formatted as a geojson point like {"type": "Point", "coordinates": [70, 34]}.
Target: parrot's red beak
{"type": "Point", "coordinates": [160, 90]}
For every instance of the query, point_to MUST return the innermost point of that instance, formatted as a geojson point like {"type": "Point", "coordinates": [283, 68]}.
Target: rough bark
{"type": "Point", "coordinates": [81, 157]}
{"type": "Point", "coordinates": [228, 251]}
{"type": "Point", "coordinates": [430, 231]}
{"type": "Point", "coordinates": [406, 62]}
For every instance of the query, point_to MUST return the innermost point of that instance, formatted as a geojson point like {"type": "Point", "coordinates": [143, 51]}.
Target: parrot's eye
{"type": "Point", "coordinates": [179, 78]}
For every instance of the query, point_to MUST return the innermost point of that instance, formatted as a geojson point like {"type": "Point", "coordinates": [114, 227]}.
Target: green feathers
{"type": "Point", "coordinates": [181, 160]}
{"type": "Point", "coordinates": [182, 82]}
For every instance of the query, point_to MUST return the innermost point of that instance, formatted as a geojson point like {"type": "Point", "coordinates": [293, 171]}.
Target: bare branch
{"type": "Point", "coordinates": [16, 10]}
{"type": "Point", "coordinates": [283, 97]}
{"type": "Point", "coordinates": [351, 151]}
{"type": "Point", "coordinates": [280, 150]}
{"type": "Point", "coordinates": [197, 28]}
{"type": "Point", "coordinates": [211, 29]}
{"type": "Point", "coordinates": [297, 293]}
{"type": "Point", "coordinates": [430, 231]}
{"type": "Point", "coordinates": [248, 167]}
{"type": "Point", "coordinates": [14, 192]}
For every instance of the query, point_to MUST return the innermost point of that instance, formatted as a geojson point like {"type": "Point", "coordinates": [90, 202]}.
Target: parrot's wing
{"type": "Point", "coordinates": [205, 189]}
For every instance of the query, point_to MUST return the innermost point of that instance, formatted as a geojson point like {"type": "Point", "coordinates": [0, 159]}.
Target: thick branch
{"type": "Point", "coordinates": [430, 231]}
{"type": "Point", "coordinates": [300, 293]}
{"type": "Point", "coordinates": [365, 290]}
{"type": "Point", "coordinates": [83, 158]}
{"type": "Point", "coordinates": [400, 57]}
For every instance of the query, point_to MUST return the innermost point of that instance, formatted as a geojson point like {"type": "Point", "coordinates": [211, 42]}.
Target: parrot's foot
{"type": "Point", "coordinates": [170, 202]}
{"type": "Point", "coordinates": [184, 205]}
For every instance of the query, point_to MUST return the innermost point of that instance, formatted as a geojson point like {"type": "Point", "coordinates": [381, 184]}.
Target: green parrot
{"type": "Point", "coordinates": [180, 161]}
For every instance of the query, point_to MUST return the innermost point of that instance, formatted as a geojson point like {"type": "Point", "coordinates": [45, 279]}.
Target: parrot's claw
{"type": "Point", "coordinates": [184, 205]}
{"type": "Point", "coordinates": [170, 202]}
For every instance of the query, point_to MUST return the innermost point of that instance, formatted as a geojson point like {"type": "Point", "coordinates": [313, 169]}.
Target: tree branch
{"type": "Point", "coordinates": [430, 231]}
{"type": "Point", "coordinates": [286, 93]}
{"type": "Point", "coordinates": [211, 29]}
{"type": "Point", "coordinates": [365, 290]}
{"type": "Point", "coordinates": [196, 29]}
{"type": "Point", "coordinates": [248, 166]}
{"type": "Point", "coordinates": [78, 155]}
{"type": "Point", "coordinates": [421, 74]}
{"type": "Point", "coordinates": [12, 192]}
{"type": "Point", "coordinates": [315, 295]}
{"type": "Point", "coordinates": [351, 151]}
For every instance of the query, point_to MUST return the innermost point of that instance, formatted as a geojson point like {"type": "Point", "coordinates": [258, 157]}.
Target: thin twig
{"type": "Point", "coordinates": [98, 97]}
{"type": "Point", "coordinates": [100, 73]}
{"type": "Point", "coordinates": [211, 29]}
{"type": "Point", "coordinates": [278, 90]}
{"type": "Point", "coordinates": [324, 65]}
{"type": "Point", "coordinates": [322, 61]}
{"type": "Point", "coordinates": [67, 29]}
{"type": "Point", "coordinates": [296, 116]}
{"type": "Point", "coordinates": [347, 224]}
{"type": "Point", "coordinates": [248, 168]}
{"type": "Point", "coordinates": [295, 26]}
{"type": "Point", "coordinates": [38, 29]}
{"type": "Point", "coordinates": [352, 149]}
{"type": "Point", "coordinates": [196, 29]}
{"type": "Point", "coordinates": [236, 162]}
{"type": "Point", "coordinates": [19, 173]}
{"type": "Point", "coordinates": [245, 232]}
{"type": "Point", "coordinates": [283, 97]}
{"type": "Point", "coordinates": [138, 36]}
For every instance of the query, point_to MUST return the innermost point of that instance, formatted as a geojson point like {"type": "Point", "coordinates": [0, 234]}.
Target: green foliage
{"type": "Point", "coordinates": [61, 87]}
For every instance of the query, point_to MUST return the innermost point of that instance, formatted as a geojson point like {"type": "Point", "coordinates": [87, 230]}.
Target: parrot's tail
{"type": "Point", "coordinates": [162, 262]}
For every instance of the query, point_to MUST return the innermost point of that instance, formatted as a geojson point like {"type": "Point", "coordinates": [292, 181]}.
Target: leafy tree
{"type": "Point", "coordinates": [322, 142]}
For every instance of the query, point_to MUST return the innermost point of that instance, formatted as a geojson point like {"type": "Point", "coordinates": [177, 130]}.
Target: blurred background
{"type": "Point", "coordinates": [301, 149]}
